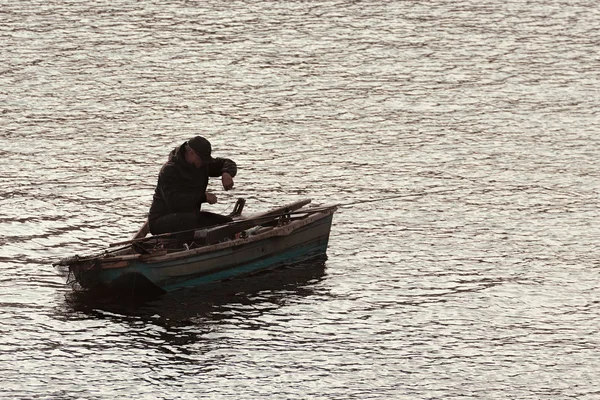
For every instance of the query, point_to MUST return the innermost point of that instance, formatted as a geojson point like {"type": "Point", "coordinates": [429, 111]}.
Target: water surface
{"type": "Point", "coordinates": [477, 121]}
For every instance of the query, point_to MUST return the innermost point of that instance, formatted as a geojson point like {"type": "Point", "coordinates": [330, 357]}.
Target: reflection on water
{"type": "Point", "coordinates": [178, 322]}
{"type": "Point", "coordinates": [258, 292]}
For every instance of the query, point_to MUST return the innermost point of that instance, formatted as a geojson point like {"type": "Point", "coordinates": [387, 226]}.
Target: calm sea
{"type": "Point", "coordinates": [461, 137]}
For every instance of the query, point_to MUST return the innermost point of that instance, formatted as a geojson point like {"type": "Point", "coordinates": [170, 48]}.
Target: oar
{"type": "Point", "coordinates": [238, 225]}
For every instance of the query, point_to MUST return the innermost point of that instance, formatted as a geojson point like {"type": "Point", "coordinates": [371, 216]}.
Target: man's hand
{"type": "Point", "coordinates": [227, 181]}
{"type": "Point", "coordinates": [211, 198]}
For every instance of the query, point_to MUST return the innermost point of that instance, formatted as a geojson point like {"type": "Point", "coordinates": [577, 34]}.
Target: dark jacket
{"type": "Point", "coordinates": [181, 186]}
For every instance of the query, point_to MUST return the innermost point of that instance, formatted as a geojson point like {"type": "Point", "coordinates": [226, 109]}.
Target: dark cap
{"type": "Point", "coordinates": [202, 147]}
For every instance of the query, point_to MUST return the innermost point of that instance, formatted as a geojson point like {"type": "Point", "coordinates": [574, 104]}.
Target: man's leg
{"type": "Point", "coordinates": [173, 223]}
{"type": "Point", "coordinates": [206, 219]}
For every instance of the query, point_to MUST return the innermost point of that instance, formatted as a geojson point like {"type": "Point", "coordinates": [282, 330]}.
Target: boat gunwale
{"type": "Point", "coordinates": [105, 262]}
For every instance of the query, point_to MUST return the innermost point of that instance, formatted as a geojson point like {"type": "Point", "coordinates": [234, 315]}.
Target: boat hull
{"type": "Point", "coordinates": [192, 268]}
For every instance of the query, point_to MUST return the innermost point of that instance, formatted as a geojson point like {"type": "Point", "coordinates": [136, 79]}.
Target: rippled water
{"type": "Point", "coordinates": [483, 282]}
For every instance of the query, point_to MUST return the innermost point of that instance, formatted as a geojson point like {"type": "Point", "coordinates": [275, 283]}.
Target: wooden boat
{"type": "Point", "coordinates": [164, 263]}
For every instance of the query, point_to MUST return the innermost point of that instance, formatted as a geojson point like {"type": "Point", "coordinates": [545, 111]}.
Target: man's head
{"type": "Point", "coordinates": [198, 151]}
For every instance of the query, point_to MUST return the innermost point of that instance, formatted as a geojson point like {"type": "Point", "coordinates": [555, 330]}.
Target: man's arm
{"type": "Point", "coordinates": [222, 165]}
{"type": "Point", "coordinates": [226, 169]}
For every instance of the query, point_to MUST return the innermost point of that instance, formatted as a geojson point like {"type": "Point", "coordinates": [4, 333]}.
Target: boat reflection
{"type": "Point", "coordinates": [212, 302]}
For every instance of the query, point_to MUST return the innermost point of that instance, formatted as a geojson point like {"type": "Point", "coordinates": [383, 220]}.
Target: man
{"type": "Point", "coordinates": [181, 188]}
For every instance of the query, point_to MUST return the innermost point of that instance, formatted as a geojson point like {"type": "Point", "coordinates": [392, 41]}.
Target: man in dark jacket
{"type": "Point", "coordinates": [181, 188]}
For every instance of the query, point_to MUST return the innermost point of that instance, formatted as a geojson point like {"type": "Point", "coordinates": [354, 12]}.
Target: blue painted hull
{"type": "Point", "coordinates": [197, 267]}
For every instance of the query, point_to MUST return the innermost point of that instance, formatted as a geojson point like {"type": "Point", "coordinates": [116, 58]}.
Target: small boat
{"type": "Point", "coordinates": [164, 263]}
